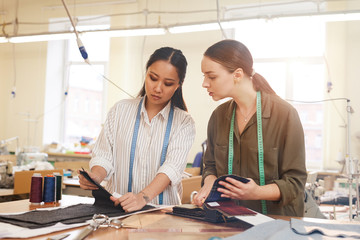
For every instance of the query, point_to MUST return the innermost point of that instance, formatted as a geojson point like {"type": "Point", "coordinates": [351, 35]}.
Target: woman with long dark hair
{"type": "Point", "coordinates": [142, 149]}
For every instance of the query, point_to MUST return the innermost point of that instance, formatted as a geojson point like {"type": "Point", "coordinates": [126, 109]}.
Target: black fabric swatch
{"type": "Point", "coordinates": [101, 195]}
{"type": "Point", "coordinates": [201, 213]}
{"type": "Point", "coordinates": [101, 191]}
{"type": "Point", "coordinates": [69, 215]}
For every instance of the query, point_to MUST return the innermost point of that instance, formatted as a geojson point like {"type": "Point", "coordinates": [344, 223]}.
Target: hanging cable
{"type": "Point", "coordinates": [84, 53]}
{"type": "Point", "coordinates": [107, 79]}
{"type": "Point", "coordinates": [218, 19]}
{"type": "Point", "coordinates": [78, 40]}
{"type": "Point", "coordinates": [329, 86]}
{"type": "Point", "coordinates": [318, 101]}
{"type": "Point", "coordinates": [16, 24]}
{"type": "Point", "coordinates": [324, 100]}
{"type": "Point", "coordinates": [13, 91]}
{"type": "Point", "coordinates": [146, 13]}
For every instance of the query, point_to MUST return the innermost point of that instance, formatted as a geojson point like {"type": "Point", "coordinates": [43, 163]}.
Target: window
{"type": "Point", "coordinates": [293, 65]}
{"type": "Point", "coordinates": [84, 104]}
{"type": "Point", "coordinates": [75, 93]}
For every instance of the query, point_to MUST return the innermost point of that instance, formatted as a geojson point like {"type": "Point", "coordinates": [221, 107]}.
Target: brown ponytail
{"type": "Point", "coordinates": [232, 54]}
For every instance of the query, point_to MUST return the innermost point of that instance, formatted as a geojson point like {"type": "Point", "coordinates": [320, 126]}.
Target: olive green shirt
{"type": "Point", "coordinates": [284, 152]}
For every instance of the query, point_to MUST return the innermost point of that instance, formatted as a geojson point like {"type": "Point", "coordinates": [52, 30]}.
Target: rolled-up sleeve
{"type": "Point", "coordinates": [102, 154]}
{"type": "Point", "coordinates": [292, 170]}
{"type": "Point", "coordinates": [178, 150]}
{"type": "Point", "coordinates": [209, 158]}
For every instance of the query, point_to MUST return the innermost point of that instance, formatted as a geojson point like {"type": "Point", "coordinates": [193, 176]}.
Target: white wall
{"type": "Point", "coordinates": [126, 70]}
{"type": "Point", "coordinates": [20, 115]}
{"type": "Point", "coordinates": [352, 85]}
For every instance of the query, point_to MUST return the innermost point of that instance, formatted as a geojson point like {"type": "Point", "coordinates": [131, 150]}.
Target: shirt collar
{"type": "Point", "coordinates": [265, 106]}
{"type": "Point", "coordinates": [164, 112]}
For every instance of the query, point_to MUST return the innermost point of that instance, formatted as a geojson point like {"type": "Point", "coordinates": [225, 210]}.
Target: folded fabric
{"type": "Point", "coordinates": [230, 208]}
{"type": "Point", "coordinates": [336, 198]}
{"type": "Point", "coordinates": [215, 195]}
{"type": "Point", "coordinates": [327, 229]}
{"type": "Point", "coordinates": [199, 213]}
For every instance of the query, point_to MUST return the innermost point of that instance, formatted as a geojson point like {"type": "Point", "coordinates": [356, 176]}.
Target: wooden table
{"type": "Point", "coordinates": [151, 225]}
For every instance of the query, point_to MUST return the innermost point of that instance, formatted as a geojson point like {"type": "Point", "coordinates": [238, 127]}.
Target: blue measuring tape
{"type": "Point", "coordinates": [134, 140]}
{"type": "Point", "coordinates": [260, 146]}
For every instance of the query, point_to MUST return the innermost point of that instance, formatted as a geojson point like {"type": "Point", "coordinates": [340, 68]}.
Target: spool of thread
{"type": "Point", "coordinates": [58, 186]}
{"type": "Point", "coordinates": [36, 189]}
{"type": "Point", "coordinates": [49, 189]}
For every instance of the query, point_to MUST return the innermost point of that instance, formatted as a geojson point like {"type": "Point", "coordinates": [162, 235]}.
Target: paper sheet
{"type": "Point", "coordinates": [255, 219]}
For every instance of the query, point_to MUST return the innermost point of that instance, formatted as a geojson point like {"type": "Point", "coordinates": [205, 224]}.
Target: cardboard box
{"type": "Point", "coordinates": [22, 180]}
{"type": "Point", "coordinates": [189, 185]}
{"type": "Point", "coordinates": [194, 171]}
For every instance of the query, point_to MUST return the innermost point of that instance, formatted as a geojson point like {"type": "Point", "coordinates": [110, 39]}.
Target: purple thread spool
{"type": "Point", "coordinates": [36, 189]}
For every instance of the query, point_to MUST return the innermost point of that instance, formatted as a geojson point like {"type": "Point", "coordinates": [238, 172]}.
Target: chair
{"type": "Point", "coordinates": [198, 160]}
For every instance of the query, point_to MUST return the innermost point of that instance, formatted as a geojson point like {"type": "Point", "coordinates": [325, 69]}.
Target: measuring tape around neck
{"type": "Point", "coordinates": [134, 140]}
{"type": "Point", "coordinates": [260, 146]}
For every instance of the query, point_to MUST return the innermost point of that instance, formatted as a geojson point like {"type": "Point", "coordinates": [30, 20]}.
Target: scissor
{"type": "Point", "coordinates": [97, 221]}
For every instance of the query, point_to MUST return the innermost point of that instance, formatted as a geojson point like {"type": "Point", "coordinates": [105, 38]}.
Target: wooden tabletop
{"type": "Point", "coordinates": [151, 225]}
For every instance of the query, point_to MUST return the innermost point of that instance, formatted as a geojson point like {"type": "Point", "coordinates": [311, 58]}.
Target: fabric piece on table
{"type": "Point", "coordinates": [70, 215]}
{"type": "Point", "coordinates": [277, 230]}
{"type": "Point", "coordinates": [230, 208]}
{"type": "Point", "coordinates": [339, 230]}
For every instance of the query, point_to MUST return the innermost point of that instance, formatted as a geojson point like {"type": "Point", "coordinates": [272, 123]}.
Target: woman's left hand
{"type": "Point", "coordinates": [130, 201]}
{"type": "Point", "coordinates": [238, 190]}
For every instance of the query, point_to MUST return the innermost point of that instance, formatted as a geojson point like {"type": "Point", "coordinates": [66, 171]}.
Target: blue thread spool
{"type": "Point", "coordinates": [58, 186]}
{"type": "Point", "coordinates": [36, 189]}
{"type": "Point", "coordinates": [49, 189]}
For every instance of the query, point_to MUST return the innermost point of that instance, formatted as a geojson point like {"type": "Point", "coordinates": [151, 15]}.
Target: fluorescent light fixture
{"type": "Point", "coordinates": [338, 17]}
{"type": "Point", "coordinates": [330, 17]}
{"type": "Point", "coordinates": [136, 32]}
{"type": "Point", "coordinates": [3, 40]}
{"type": "Point", "coordinates": [41, 37]}
{"type": "Point", "coordinates": [94, 27]}
{"type": "Point", "coordinates": [126, 32]}
{"type": "Point", "coordinates": [70, 35]}
{"type": "Point", "coordinates": [194, 28]}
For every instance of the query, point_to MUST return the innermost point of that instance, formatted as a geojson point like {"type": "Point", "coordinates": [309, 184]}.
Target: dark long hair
{"type": "Point", "coordinates": [232, 54]}
{"type": "Point", "coordinates": [176, 58]}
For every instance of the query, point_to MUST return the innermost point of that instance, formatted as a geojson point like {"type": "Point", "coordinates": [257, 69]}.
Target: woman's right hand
{"type": "Point", "coordinates": [85, 184]}
{"type": "Point", "coordinates": [200, 197]}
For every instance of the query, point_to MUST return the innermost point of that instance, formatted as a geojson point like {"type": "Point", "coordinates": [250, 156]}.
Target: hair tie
{"type": "Point", "coordinates": [252, 73]}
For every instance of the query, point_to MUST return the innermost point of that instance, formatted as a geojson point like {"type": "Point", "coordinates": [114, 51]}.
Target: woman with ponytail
{"type": "Point", "coordinates": [256, 135]}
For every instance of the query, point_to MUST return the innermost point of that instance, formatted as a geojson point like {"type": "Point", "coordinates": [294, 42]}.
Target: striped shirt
{"type": "Point", "coordinates": [112, 149]}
